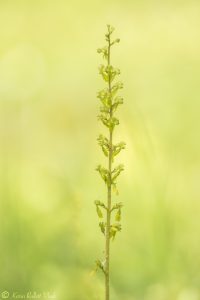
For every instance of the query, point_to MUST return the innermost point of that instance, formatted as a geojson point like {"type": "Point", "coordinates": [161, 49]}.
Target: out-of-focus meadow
{"type": "Point", "coordinates": [49, 235]}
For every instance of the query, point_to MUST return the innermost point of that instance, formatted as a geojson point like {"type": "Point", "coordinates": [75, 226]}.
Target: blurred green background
{"type": "Point", "coordinates": [49, 235]}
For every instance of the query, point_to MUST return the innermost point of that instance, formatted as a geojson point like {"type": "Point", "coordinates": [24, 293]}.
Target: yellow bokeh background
{"type": "Point", "coordinates": [49, 235]}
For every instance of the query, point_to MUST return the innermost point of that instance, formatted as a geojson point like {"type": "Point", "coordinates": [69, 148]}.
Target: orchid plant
{"type": "Point", "coordinates": [109, 213]}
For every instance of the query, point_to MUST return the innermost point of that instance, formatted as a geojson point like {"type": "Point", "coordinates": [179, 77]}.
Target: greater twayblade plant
{"type": "Point", "coordinates": [108, 212]}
